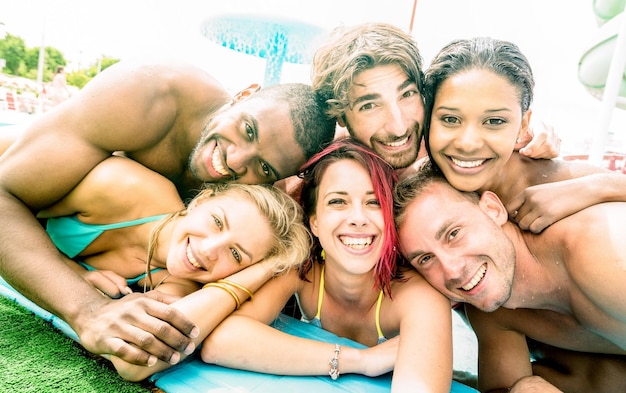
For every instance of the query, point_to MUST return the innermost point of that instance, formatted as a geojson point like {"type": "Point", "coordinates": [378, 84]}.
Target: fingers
{"type": "Point", "coordinates": [164, 327]}
{"type": "Point", "coordinates": [162, 297]}
{"type": "Point", "coordinates": [531, 222]}
{"type": "Point", "coordinates": [109, 283]}
{"type": "Point", "coordinates": [543, 143]}
{"type": "Point", "coordinates": [139, 330]}
{"type": "Point", "coordinates": [130, 354]}
{"type": "Point", "coordinates": [523, 140]}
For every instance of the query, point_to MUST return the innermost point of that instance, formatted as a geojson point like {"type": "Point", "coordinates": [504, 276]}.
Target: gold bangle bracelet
{"type": "Point", "coordinates": [227, 289]}
{"type": "Point", "coordinates": [234, 284]}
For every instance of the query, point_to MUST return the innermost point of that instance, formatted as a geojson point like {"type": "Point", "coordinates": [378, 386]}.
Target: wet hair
{"type": "Point", "coordinates": [418, 183]}
{"type": "Point", "coordinates": [352, 50]}
{"type": "Point", "coordinates": [500, 57]}
{"type": "Point", "coordinates": [291, 238]}
{"type": "Point", "coordinates": [313, 128]}
{"type": "Point", "coordinates": [383, 179]}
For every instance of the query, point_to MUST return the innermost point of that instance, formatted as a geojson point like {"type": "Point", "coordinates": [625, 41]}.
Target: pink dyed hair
{"type": "Point", "coordinates": [383, 180]}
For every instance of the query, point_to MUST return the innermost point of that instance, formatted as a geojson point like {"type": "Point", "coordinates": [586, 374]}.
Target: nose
{"type": "Point", "coordinates": [468, 139]}
{"type": "Point", "coordinates": [210, 247]}
{"type": "Point", "coordinates": [239, 157]}
{"type": "Point", "coordinates": [358, 217]}
{"type": "Point", "coordinates": [394, 123]}
{"type": "Point", "coordinates": [452, 269]}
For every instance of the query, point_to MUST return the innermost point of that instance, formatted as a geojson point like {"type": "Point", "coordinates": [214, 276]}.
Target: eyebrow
{"type": "Point", "coordinates": [227, 226]}
{"type": "Point", "coordinates": [447, 108]}
{"type": "Point", "coordinates": [342, 193]}
{"type": "Point", "coordinates": [369, 97]}
{"type": "Point", "coordinates": [442, 230]}
{"type": "Point", "coordinates": [444, 227]}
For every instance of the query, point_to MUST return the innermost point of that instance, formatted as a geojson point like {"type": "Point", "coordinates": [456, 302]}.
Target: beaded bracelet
{"type": "Point", "coordinates": [334, 364]}
{"type": "Point", "coordinates": [227, 289]}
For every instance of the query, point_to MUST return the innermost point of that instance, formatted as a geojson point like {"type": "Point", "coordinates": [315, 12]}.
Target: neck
{"type": "Point", "coordinates": [510, 183]}
{"type": "Point", "coordinates": [539, 282]}
{"type": "Point", "coordinates": [162, 237]}
{"type": "Point", "coordinates": [357, 290]}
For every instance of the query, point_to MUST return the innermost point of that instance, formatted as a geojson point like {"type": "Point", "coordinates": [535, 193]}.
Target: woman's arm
{"type": "Point", "coordinates": [424, 361]}
{"type": "Point", "coordinates": [559, 189]}
{"type": "Point", "coordinates": [206, 308]}
{"type": "Point", "coordinates": [245, 341]}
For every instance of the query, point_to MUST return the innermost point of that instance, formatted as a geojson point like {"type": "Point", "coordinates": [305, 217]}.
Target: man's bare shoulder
{"type": "Point", "coordinates": [597, 224]}
{"type": "Point", "coordinates": [180, 80]}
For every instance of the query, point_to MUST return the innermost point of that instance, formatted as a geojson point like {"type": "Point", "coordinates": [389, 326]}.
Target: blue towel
{"type": "Point", "coordinates": [195, 376]}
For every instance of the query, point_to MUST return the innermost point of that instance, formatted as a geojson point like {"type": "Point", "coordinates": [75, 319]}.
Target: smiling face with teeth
{"type": "Point", "coordinates": [459, 246]}
{"type": "Point", "coordinates": [348, 220]}
{"type": "Point", "coordinates": [386, 113]}
{"type": "Point", "coordinates": [251, 142]}
{"type": "Point", "coordinates": [218, 236]}
{"type": "Point", "coordinates": [476, 119]}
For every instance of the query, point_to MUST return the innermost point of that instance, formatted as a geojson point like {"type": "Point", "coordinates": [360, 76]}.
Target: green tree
{"type": "Point", "coordinates": [77, 78]}
{"type": "Point", "coordinates": [13, 51]}
{"type": "Point", "coordinates": [23, 61]}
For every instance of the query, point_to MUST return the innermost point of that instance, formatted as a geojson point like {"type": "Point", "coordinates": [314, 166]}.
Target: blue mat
{"type": "Point", "coordinates": [195, 376]}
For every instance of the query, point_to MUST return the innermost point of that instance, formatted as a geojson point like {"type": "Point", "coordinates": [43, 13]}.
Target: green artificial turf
{"type": "Point", "coordinates": [36, 357]}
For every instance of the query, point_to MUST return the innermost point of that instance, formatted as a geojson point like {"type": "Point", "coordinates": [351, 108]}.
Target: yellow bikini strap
{"type": "Point", "coordinates": [380, 301]}
{"type": "Point", "coordinates": [320, 295]}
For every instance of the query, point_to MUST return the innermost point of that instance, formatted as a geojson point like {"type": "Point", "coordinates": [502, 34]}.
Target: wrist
{"type": "Point", "coordinates": [334, 372]}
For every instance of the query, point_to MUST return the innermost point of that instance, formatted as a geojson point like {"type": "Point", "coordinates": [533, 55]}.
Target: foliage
{"type": "Point", "coordinates": [23, 61]}
{"type": "Point", "coordinates": [13, 50]}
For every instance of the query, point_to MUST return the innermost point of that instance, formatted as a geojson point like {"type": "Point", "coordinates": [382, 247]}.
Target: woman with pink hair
{"type": "Point", "coordinates": [350, 285]}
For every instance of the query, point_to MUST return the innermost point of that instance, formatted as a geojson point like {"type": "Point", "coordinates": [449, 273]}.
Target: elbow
{"type": "Point", "coordinates": [130, 372]}
{"type": "Point", "coordinates": [210, 349]}
{"type": "Point", "coordinates": [132, 377]}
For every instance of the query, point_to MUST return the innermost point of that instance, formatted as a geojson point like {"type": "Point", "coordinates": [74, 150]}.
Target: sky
{"type": "Point", "coordinates": [553, 34]}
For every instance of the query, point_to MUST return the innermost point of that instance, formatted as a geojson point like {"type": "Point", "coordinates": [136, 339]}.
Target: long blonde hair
{"type": "Point", "coordinates": [291, 238]}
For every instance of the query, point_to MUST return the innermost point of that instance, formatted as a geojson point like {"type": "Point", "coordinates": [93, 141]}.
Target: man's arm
{"type": "Point", "coordinates": [207, 307]}
{"type": "Point", "coordinates": [55, 152]}
{"type": "Point", "coordinates": [503, 356]}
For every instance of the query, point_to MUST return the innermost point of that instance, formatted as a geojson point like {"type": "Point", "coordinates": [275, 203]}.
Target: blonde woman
{"type": "Point", "coordinates": [125, 230]}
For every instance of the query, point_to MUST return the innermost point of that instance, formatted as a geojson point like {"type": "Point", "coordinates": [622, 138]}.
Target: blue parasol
{"type": "Point", "coordinates": [275, 39]}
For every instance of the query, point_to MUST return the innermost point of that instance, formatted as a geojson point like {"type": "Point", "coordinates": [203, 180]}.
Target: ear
{"type": "Point", "coordinates": [341, 121]}
{"type": "Point", "coordinates": [524, 130]}
{"type": "Point", "coordinates": [245, 93]}
{"type": "Point", "coordinates": [313, 225]}
{"type": "Point", "coordinates": [491, 205]}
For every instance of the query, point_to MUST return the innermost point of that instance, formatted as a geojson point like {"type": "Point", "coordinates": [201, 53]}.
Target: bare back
{"type": "Point", "coordinates": [153, 113]}
{"type": "Point", "coordinates": [583, 308]}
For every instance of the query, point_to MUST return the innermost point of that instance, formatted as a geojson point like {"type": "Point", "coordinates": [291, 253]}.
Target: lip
{"type": "Point", "coordinates": [191, 250]}
{"type": "Point", "coordinates": [407, 140]}
{"type": "Point", "coordinates": [208, 161]}
{"type": "Point", "coordinates": [469, 166]}
{"type": "Point", "coordinates": [356, 239]}
{"type": "Point", "coordinates": [476, 282]}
